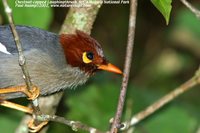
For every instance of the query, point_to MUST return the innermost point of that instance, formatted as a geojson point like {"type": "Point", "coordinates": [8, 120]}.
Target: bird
{"type": "Point", "coordinates": [55, 61]}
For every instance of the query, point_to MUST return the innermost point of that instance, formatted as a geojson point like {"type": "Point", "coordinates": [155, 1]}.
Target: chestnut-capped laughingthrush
{"type": "Point", "coordinates": [55, 62]}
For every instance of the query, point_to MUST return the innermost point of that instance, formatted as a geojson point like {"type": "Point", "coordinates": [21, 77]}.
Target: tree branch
{"type": "Point", "coordinates": [131, 33]}
{"type": "Point", "coordinates": [21, 58]}
{"type": "Point", "coordinates": [194, 81]}
{"type": "Point", "coordinates": [75, 125]}
{"type": "Point", "coordinates": [191, 8]}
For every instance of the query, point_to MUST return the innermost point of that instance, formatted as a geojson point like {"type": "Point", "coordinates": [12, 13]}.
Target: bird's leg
{"type": "Point", "coordinates": [16, 106]}
{"type": "Point", "coordinates": [35, 128]}
{"type": "Point", "coordinates": [31, 94]}
{"type": "Point", "coordinates": [32, 127]}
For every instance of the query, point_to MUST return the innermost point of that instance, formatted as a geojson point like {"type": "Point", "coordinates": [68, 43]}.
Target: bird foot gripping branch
{"type": "Point", "coordinates": [33, 128]}
{"type": "Point", "coordinates": [31, 95]}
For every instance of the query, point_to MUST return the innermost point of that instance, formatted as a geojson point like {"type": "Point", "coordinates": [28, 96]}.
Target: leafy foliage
{"type": "Point", "coordinates": [164, 6]}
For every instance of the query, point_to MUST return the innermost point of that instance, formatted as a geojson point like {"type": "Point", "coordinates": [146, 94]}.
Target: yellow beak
{"type": "Point", "coordinates": [110, 67]}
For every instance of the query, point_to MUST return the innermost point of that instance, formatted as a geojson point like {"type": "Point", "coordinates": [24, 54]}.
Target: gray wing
{"type": "Point", "coordinates": [33, 38]}
{"type": "Point", "coordinates": [30, 37]}
{"type": "Point", "coordinates": [41, 49]}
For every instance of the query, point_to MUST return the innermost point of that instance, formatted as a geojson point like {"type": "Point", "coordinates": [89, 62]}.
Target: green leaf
{"type": "Point", "coordinates": [164, 6]}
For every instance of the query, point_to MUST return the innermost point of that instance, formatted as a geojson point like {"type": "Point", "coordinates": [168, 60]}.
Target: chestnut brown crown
{"type": "Point", "coordinates": [82, 51]}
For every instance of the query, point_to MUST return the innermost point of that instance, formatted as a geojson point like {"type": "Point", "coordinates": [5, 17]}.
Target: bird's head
{"type": "Point", "coordinates": [84, 52]}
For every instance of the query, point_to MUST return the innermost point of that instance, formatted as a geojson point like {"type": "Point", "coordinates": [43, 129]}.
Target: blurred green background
{"type": "Point", "coordinates": [164, 57]}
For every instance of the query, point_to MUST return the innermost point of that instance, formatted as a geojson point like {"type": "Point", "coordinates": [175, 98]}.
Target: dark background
{"type": "Point", "coordinates": [164, 57]}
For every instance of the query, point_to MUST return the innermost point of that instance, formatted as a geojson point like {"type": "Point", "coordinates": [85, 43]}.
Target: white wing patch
{"type": "Point", "coordinates": [3, 49]}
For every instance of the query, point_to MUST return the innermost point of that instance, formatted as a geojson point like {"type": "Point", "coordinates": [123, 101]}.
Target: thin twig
{"type": "Point", "coordinates": [195, 80]}
{"type": "Point", "coordinates": [131, 33]}
{"type": "Point", "coordinates": [22, 59]}
{"type": "Point", "coordinates": [191, 8]}
{"type": "Point", "coordinates": [75, 125]}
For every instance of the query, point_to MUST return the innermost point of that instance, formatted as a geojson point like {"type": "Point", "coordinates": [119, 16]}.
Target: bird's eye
{"type": "Point", "coordinates": [90, 55]}
{"type": "Point", "coordinates": [87, 57]}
